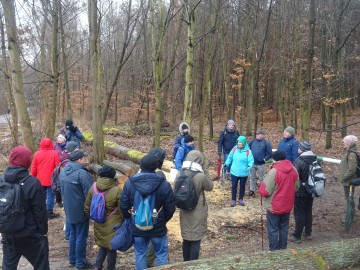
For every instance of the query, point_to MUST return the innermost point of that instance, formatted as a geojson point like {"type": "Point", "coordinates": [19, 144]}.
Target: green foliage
{"type": "Point", "coordinates": [133, 154]}
{"type": "Point", "coordinates": [111, 129]}
{"type": "Point", "coordinates": [110, 144]}
{"type": "Point", "coordinates": [88, 136]}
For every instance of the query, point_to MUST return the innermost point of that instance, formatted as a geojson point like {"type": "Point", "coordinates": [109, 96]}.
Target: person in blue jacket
{"type": "Point", "coordinates": [71, 132]}
{"type": "Point", "coordinates": [262, 152]}
{"type": "Point", "coordinates": [289, 144]}
{"type": "Point", "coordinates": [242, 160]}
{"type": "Point", "coordinates": [187, 144]}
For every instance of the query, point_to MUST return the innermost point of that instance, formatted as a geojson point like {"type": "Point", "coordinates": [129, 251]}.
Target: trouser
{"type": "Point", "coordinates": [277, 230]}
{"type": "Point", "coordinates": [58, 197]}
{"type": "Point", "coordinates": [303, 216]}
{"type": "Point", "coordinates": [111, 258]}
{"type": "Point", "coordinates": [49, 195]}
{"type": "Point", "coordinates": [35, 249]}
{"type": "Point", "coordinates": [150, 256]}
{"type": "Point", "coordinates": [191, 250]}
{"type": "Point", "coordinates": [141, 245]}
{"type": "Point", "coordinates": [260, 169]}
{"type": "Point", "coordinates": [77, 243]}
{"type": "Point", "coordinates": [234, 184]}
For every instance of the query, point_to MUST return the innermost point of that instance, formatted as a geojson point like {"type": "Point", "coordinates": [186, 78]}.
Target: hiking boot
{"type": "Point", "coordinates": [52, 215]}
{"type": "Point", "coordinates": [233, 203]}
{"type": "Point", "coordinates": [294, 240]}
{"type": "Point", "coordinates": [71, 264]}
{"type": "Point", "coordinates": [251, 193]}
{"type": "Point", "coordinates": [241, 202]}
{"type": "Point", "coordinates": [87, 265]}
{"type": "Point", "coordinates": [307, 237]}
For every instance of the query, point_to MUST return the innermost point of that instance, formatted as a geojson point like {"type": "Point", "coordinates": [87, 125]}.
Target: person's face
{"type": "Point", "coordinates": [185, 131]}
{"type": "Point", "coordinates": [259, 136]}
{"type": "Point", "coordinates": [191, 143]}
{"type": "Point", "coordinates": [287, 134]}
{"type": "Point", "coordinates": [240, 144]}
{"type": "Point", "coordinates": [60, 140]}
{"type": "Point", "coordinates": [299, 151]}
{"type": "Point", "coordinates": [344, 145]}
{"type": "Point", "coordinates": [231, 126]}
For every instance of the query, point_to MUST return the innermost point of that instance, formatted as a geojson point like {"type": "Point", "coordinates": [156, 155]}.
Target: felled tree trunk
{"type": "Point", "coordinates": [121, 178]}
{"type": "Point", "coordinates": [330, 255]}
{"type": "Point", "coordinates": [123, 168]}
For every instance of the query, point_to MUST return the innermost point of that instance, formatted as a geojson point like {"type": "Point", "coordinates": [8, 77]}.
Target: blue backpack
{"type": "Point", "coordinates": [143, 211]}
{"type": "Point", "coordinates": [97, 206]}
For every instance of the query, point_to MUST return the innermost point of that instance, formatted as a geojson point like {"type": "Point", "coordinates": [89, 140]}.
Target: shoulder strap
{"type": "Point", "coordinates": [234, 149]}
{"type": "Point", "coordinates": [247, 152]}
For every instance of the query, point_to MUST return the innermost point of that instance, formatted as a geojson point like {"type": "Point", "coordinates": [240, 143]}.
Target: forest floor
{"type": "Point", "coordinates": [231, 230]}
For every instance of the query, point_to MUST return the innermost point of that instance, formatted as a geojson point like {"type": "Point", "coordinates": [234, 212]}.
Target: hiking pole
{"type": "Point", "coordinates": [262, 224]}
{"type": "Point", "coordinates": [218, 168]}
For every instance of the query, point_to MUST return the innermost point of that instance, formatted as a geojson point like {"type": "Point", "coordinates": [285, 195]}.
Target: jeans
{"type": "Point", "coordinates": [67, 230]}
{"type": "Point", "coordinates": [261, 171]}
{"type": "Point", "coordinates": [111, 258]}
{"type": "Point", "coordinates": [50, 198]}
{"type": "Point", "coordinates": [35, 249]}
{"type": "Point", "coordinates": [150, 256]}
{"type": "Point", "coordinates": [191, 250]}
{"type": "Point", "coordinates": [77, 242]}
{"type": "Point", "coordinates": [234, 184]}
{"type": "Point", "coordinates": [303, 216]}
{"type": "Point", "coordinates": [277, 230]}
{"type": "Point", "coordinates": [161, 250]}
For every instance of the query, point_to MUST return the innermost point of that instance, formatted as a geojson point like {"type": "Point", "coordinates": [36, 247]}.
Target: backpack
{"type": "Point", "coordinates": [55, 175]}
{"type": "Point", "coordinates": [144, 212]}
{"type": "Point", "coordinates": [247, 151]}
{"type": "Point", "coordinates": [358, 162]}
{"type": "Point", "coordinates": [186, 197]}
{"type": "Point", "coordinates": [315, 184]}
{"type": "Point", "coordinates": [123, 239]}
{"type": "Point", "coordinates": [12, 210]}
{"type": "Point", "coordinates": [98, 206]}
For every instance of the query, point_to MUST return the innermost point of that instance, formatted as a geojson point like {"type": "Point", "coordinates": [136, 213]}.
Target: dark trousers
{"type": "Point", "coordinates": [277, 230]}
{"type": "Point", "coordinates": [111, 258]}
{"type": "Point", "coordinates": [303, 216]}
{"type": "Point", "coordinates": [191, 250]}
{"type": "Point", "coordinates": [58, 197]}
{"type": "Point", "coordinates": [234, 185]}
{"type": "Point", "coordinates": [35, 249]}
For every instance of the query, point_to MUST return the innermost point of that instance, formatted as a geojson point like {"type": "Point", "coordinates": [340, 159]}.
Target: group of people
{"type": "Point", "coordinates": [282, 189]}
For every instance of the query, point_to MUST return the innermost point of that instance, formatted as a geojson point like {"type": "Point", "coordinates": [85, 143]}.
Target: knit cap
{"type": "Point", "coordinates": [305, 146]}
{"type": "Point", "coordinates": [188, 138]}
{"type": "Point", "coordinates": [230, 122]}
{"type": "Point", "coordinates": [60, 136]}
{"type": "Point", "coordinates": [68, 122]}
{"type": "Point", "coordinates": [279, 155]}
{"type": "Point", "coordinates": [107, 172]}
{"type": "Point", "coordinates": [71, 146]}
{"type": "Point", "coordinates": [76, 155]}
{"type": "Point", "coordinates": [148, 163]}
{"type": "Point", "coordinates": [260, 131]}
{"type": "Point", "coordinates": [20, 156]}
{"type": "Point", "coordinates": [350, 140]}
{"type": "Point", "coordinates": [290, 129]}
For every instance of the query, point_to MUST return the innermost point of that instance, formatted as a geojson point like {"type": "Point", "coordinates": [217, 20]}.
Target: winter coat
{"type": "Point", "coordinates": [348, 166]}
{"type": "Point", "coordinates": [181, 134]}
{"type": "Point", "coordinates": [227, 140]}
{"type": "Point", "coordinates": [104, 231]}
{"type": "Point", "coordinates": [148, 183]}
{"type": "Point", "coordinates": [279, 188]}
{"type": "Point", "coordinates": [59, 147]}
{"type": "Point", "coordinates": [302, 165]}
{"type": "Point", "coordinates": [290, 146]}
{"type": "Point", "coordinates": [36, 220]}
{"type": "Point", "coordinates": [73, 135]}
{"type": "Point", "coordinates": [64, 156]}
{"type": "Point", "coordinates": [75, 183]}
{"type": "Point", "coordinates": [44, 162]}
{"type": "Point", "coordinates": [193, 223]}
{"type": "Point", "coordinates": [261, 150]}
{"type": "Point", "coordinates": [241, 160]}
{"type": "Point", "coordinates": [181, 154]}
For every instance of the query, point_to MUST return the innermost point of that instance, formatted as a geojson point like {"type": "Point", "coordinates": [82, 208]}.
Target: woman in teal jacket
{"type": "Point", "coordinates": [241, 161]}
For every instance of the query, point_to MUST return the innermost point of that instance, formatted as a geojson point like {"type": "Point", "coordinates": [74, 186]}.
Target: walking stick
{"type": "Point", "coordinates": [218, 168]}
{"type": "Point", "coordinates": [262, 225]}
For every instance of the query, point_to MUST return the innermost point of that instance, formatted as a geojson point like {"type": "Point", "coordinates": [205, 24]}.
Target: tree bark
{"type": "Point", "coordinates": [121, 178]}
{"type": "Point", "coordinates": [124, 169]}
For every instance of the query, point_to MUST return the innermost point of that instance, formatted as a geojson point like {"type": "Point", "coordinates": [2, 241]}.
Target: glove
{"type": "Point", "coordinates": [72, 128]}
{"type": "Point", "coordinates": [355, 182]}
{"type": "Point", "coordinates": [219, 153]}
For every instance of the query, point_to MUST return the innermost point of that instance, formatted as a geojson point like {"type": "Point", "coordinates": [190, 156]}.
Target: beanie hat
{"type": "Point", "coordinates": [20, 156]}
{"type": "Point", "coordinates": [76, 155]}
{"type": "Point", "coordinates": [184, 126]}
{"type": "Point", "coordinates": [107, 171]}
{"type": "Point", "coordinates": [69, 122]}
{"type": "Point", "coordinates": [61, 136]}
{"type": "Point", "coordinates": [71, 146]}
{"type": "Point", "coordinates": [279, 155]}
{"type": "Point", "coordinates": [159, 154]}
{"type": "Point", "coordinates": [230, 122]}
{"type": "Point", "coordinates": [305, 146]}
{"type": "Point", "coordinates": [290, 129]}
{"type": "Point", "coordinates": [188, 138]}
{"type": "Point", "coordinates": [242, 139]}
{"type": "Point", "coordinates": [260, 131]}
{"type": "Point", "coordinates": [350, 140]}
{"type": "Point", "coordinates": [148, 163]}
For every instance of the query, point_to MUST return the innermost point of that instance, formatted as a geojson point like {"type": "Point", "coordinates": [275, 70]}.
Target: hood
{"type": "Point", "coordinates": [14, 174]}
{"type": "Point", "coordinates": [196, 156]}
{"type": "Point", "coordinates": [46, 144]}
{"type": "Point", "coordinates": [242, 139]}
{"type": "Point", "coordinates": [284, 166]}
{"type": "Point", "coordinates": [159, 154]}
{"type": "Point", "coordinates": [71, 167]}
{"type": "Point", "coordinates": [103, 183]}
{"type": "Point", "coordinates": [308, 156]}
{"type": "Point", "coordinates": [180, 130]}
{"type": "Point", "coordinates": [146, 183]}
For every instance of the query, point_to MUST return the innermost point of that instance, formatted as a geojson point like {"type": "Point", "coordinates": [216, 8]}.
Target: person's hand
{"type": "Point", "coordinates": [72, 128]}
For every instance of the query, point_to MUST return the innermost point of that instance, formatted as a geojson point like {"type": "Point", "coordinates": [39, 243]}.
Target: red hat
{"type": "Point", "coordinates": [20, 156]}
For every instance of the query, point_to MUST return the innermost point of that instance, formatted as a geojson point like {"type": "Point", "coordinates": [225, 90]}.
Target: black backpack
{"type": "Point", "coordinates": [55, 175]}
{"type": "Point", "coordinates": [12, 210]}
{"type": "Point", "coordinates": [186, 197]}
{"type": "Point", "coordinates": [358, 162]}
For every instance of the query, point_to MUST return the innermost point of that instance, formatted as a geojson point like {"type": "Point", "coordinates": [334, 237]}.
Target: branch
{"type": "Point", "coordinates": [347, 37]}
{"type": "Point", "coordinates": [335, 129]}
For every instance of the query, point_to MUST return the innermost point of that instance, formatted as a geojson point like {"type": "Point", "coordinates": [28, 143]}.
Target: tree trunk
{"type": "Point", "coordinates": [17, 74]}
{"type": "Point", "coordinates": [121, 178]}
{"type": "Point", "coordinates": [123, 168]}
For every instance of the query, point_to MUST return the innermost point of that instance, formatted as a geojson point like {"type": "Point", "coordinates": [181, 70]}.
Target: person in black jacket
{"type": "Point", "coordinates": [303, 200]}
{"type": "Point", "coordinates": [227, 140]}
{"type": "Point", "coordinates": [30, 242]}
{"type": "Point", "coordinates": [148, 182]}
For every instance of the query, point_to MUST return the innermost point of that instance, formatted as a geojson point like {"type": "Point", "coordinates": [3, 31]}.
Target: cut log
{"type": "Point", "coordinates": [330, 255]}
{"type": "Point", "coordinates": [121, 178]}
{"type": "Point", "coordinates": [125, 169]}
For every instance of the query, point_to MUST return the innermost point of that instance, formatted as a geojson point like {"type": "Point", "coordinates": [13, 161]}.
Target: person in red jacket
{"type": "Point", "coordinates": [43, 165]}
{"type": "Point", "coordinates": [279, 188]}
